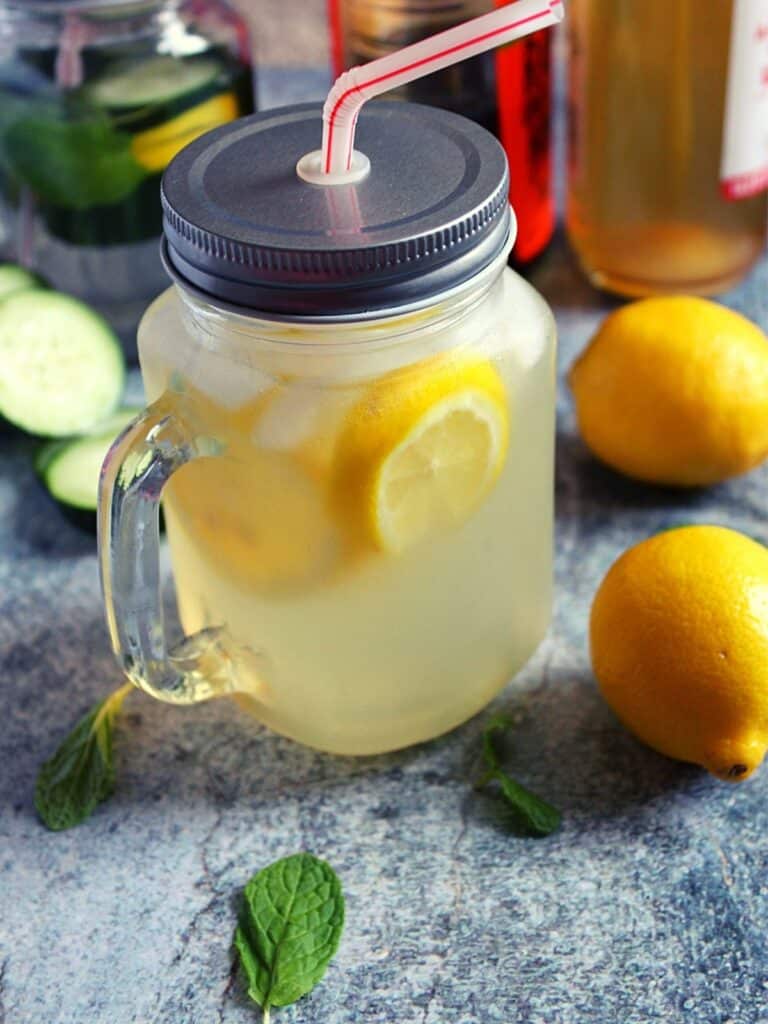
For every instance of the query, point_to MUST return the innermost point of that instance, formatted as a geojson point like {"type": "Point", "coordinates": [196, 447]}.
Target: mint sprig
{"type": "Point", "coordinates": [532, 813]}
{"type": "Point", "coordinates": [74, 163]}
{"type": "Point", "coordinates": [290, 926]}
{"type": "Point", "coordinates": [81, 774]}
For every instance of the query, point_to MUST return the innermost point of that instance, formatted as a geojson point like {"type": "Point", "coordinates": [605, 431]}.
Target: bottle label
{"type": "Point", "coordinates": [744, 162]}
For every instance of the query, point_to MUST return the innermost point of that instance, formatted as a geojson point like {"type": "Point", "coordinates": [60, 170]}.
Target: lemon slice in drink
{"type": "Point", "coordinates": [259, 517]}
{"type": "Point", "coordinates": [421, 450]}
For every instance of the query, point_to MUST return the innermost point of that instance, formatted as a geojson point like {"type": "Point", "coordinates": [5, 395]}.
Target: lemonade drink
{"type": "Point", "coordinates": [352, 434]}
{"type": "Point", "coordinates": [363, 646]}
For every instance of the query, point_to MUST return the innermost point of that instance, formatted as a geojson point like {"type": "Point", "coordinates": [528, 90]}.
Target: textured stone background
{"type": "Point", "coordinates": [649, 905]}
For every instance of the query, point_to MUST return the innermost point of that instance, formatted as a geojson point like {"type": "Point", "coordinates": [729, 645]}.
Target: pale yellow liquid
{"type": "Point", "coordinates": [647, 96]}
{"type": "Point", "coordinates": [359, 651]}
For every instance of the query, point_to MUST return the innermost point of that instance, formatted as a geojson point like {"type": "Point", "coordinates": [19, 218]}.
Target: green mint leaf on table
{"type": "Point", "coordinates": [74, 164]}
{"type": "Point", "coordinates": [81, 773]}
{"type": "Point", "coordinates": [533, 813]}
{"type": "Point", "coordinates": [290, 926]}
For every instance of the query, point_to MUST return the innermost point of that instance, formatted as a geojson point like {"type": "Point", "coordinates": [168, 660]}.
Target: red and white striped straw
{"type": "Point", "coordinates": [354, 87]}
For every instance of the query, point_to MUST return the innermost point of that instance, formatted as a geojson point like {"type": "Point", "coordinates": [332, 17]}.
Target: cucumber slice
{"type": "Point", "coordinates": [14, 278]}
{"type": "Point", "coordinates": [159, 80]}
{"type": "Point", "coordinates": [61, 366]}
{"type": "Point", "coordinates": [70, 469]}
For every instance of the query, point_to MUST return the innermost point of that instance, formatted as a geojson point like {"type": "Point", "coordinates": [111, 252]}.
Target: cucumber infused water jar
{"type": "Point", "coordinates": [351, 425]}
{"type": "Point", "coordinates": [96, 97]}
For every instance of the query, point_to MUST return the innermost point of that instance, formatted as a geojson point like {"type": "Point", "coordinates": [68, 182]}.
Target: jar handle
{"type": "Point", "coordinates": [139, 464]}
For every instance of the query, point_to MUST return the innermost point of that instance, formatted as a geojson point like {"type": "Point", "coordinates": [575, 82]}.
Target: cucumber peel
{"type": "Point", "coordinates": [14, 278]}
{"type": "Point", "coordinates": [70, 468]}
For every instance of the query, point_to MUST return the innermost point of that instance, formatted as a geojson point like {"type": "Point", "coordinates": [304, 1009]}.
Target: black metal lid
{"type": "Point", "coordinates": [242, 227]}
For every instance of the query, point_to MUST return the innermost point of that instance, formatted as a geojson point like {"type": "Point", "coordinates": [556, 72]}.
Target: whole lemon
{"type": "Point", "coordinates": [679, 640]}
{"type": "Point", "coordinates": [674, 390]}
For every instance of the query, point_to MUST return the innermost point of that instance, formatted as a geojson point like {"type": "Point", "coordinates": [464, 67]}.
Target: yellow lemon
{"type": "Point", "coordinates": [679, 639]}
{"type": "Point", "coordinates": [674, 390]}
{"type": "Point", "coordinates": [156, 147]}
{"type": "Point", "coordinates": [420, 450]}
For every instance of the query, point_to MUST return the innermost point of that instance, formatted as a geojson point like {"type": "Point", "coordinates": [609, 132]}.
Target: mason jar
{"type": "Point", "coordinates": [351, 430]}
{"type": "Point", "coordinates": [96, 97]}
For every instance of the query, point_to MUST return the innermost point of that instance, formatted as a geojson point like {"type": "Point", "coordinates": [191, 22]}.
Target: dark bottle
{"type": "Point", "coordinates": [508, 91]}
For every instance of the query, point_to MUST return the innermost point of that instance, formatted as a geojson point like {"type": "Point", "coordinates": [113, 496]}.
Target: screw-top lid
{"type": "Point", "coordinates": [244, 228]}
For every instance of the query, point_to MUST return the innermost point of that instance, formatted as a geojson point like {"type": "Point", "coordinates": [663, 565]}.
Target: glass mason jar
{"type": "Point", "coordinates": [351, 426]}
{"type": "Point", "coordinates": [663, 99]}
{"type": "Point", "coordinates": [96, 97]}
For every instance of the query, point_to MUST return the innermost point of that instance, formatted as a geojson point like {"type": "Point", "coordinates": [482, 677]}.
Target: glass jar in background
{"type": "Point", "coordinates": [668, 144]}
{"type": "Point", "coordinates": [507, 91]}
{"type": "Point", "coordinates": [96, 97]}
{"type": "Point", "coordinates": [354, 446]}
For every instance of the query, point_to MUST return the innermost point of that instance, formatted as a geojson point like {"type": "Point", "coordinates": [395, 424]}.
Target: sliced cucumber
{"type": "Point", "coordinates": [159, 80]}
{"type": "Point", "coordinates": [70, 469]}
{"type": "Point", "coordinates": [61, 366]}
{"type": "Point", "coordinates": [14, 278]}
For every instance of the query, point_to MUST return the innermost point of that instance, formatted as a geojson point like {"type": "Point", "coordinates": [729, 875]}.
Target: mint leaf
{"type": "Point", "coordinates": [75, 163]}
{"type": "Point", "coordinates": [497, 724]}
{"type": "Point", "coordinates": [290, 926]}
{"type": "Point", "coordinates": [81, 773]}
{"type": "Point", "coordinates": [533, 813]}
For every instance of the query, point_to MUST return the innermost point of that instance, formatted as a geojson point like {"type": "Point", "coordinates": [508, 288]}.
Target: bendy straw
{"type": "Point", "coordinates": [359, 84]}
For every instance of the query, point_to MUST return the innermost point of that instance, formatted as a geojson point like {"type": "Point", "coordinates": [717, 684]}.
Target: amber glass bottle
{"type": "Point", "coordinates": [668, 148]}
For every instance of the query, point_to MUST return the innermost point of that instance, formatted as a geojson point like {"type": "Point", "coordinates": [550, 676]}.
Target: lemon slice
{"type": "Point", "coordinates": [156, 147]}
{"type": "Point", "coordinates": [421, 450]}
{"type": "Point", "coordinates": [304, 421]}
{"type": "Point", "coordinates": [258, 517]}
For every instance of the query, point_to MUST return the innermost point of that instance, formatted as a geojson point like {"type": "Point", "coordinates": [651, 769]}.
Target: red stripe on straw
{"type": "Point", "coordinates": [419, 63]}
